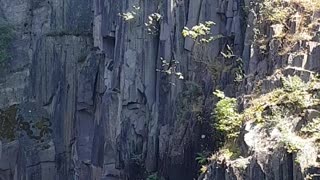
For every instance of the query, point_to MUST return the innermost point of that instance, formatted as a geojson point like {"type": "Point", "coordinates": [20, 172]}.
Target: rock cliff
{"type": "Point", "coordinates": [84, 93]}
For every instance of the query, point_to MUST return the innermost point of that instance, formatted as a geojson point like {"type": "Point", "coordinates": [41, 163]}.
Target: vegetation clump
{"type": "Point", "coordinates": [153, 176]}
{"type": "Point", "coordinates": [6, 35]}
{"type": "Point", "coordinates": [201, 32]}
{"type": "Point", "coordinates": [312, 129]}
{"type": "Point", "coordinates": [130, 15]}
{"type": "Point", "coordinates": [292, 21]}
{"type": "Point", "coordinates": [277, 112]}
{"type": "Point", "coordinates": [17, 122]}
{"type": "Point", "coordinates": [8, 123]}
{"type": "Point", "coordinates": [293, 93]}
{"type": "Point", "coordinates": [170, 68]}
{"type": "Point", "coordinates": [153, 23]}
{"type": "Point", "coordinates": [229, 120]}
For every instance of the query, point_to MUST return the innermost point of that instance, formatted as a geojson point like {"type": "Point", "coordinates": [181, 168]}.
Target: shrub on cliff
{"type": "Point", "coordinates": [281, 15]}
{"type": "Point", "coordinates": [229, 120]}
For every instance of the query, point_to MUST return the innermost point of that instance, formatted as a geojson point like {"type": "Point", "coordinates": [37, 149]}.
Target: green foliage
{"type": "Point", "coordinates": [240, 74]}
{"type": "Point", "coordinates": [279, 113]}
{"type": "Point", "coordinates": [308, 5]}
{"type": "Point", "coordinates": [280, 11]}
{"type": "Point", "coordinates": [280, 100]}
{"type": "Point", "coordinates": [278, 103]}
{"type": "Point", "coordinates": [280, 14]}
{"type": "Point", "coordinates": [8, 123]}
{"type": "Point", "coordinates": [229, 151]}
{"type": "Point", "coordinates": [153, 23]}
{"type": "Point", "coordinates": [170, 68]}
{"type": "Point", "coordinates": [291, 147]}
{"type": "Point", "coordinates": [228, 54]}
{"type": "Point", "coordinates": [13, 125]}
{"type": "Point", "coordinates": [130, 15]}
{"type": "Point", "coordinates": [202, 158]}
{"type": "Point", "coordinates": [291, 144]}
{"type": "Point", "coordinates": [312, 128]}
{"type": "Point", "coordinates": [153, 176]}
{"type": "Point", "coordinates": [6, 36]}
{"type": "Point", "coordinates": [293, 83]}
{"type": "Point", "coordinates": [198, 30]}
{"type": "Point", "coordinates": [201, 32]}
{"type": "Point", "coordinates": [275, 11]}
{"type": "Point", "coordinates": [227, 116]}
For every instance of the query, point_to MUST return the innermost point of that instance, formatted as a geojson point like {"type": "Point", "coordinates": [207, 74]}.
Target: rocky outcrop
{"type": "Point", "coordinates": [270, 154]}
{"type": "Point", "coordinates": [261, 156]}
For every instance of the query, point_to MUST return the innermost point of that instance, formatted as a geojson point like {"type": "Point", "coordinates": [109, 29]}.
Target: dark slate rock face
{"type": "Point", "coordinates": [112, 114]}
{"type": "Point", "coordinates": [92, 76]}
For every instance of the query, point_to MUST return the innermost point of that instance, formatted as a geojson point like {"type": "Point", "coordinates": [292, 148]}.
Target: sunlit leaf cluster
{"type": "Point", "coordinates": [200, 32]}
{"type": "Point", "coordinates": [130, 15]}
{"type": "Point", "coordinates": [153, 23]}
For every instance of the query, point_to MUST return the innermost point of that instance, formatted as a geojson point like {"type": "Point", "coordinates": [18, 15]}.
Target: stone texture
{"type": "Point", "coordinates": [93, 76]}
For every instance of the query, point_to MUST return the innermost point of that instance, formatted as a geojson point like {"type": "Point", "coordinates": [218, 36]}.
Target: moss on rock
{"type": "Point", "coordinates": [8, 123]}
{"type": "Point", "coordinates": [6, 36]}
